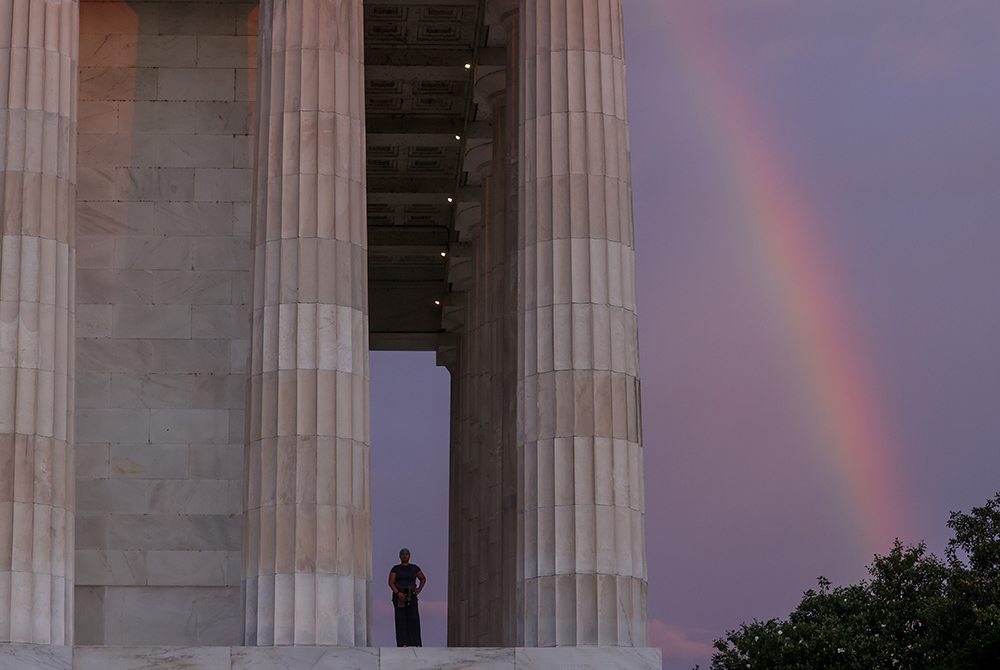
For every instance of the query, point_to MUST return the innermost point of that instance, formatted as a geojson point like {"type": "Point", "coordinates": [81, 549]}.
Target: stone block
{"type": "Point", "coordinates": [205, 616]}
{"type": "Point", "coordinates": [103, 567]}
{"type": "Point", "coordinates": [218, 391]}
{"type": "Point", "coordinates": [112, 425]}
{"type": "Point", "coordinates": [188, 568]}
{"type": "Point", "coordinates": [166, 51]}
{"type": "Point", "coordinates": [191, 356]}
{"type": "Point", "coordinates": [222, 253]}
{"type": "Point", "coordinates": [107, 83]}
{"type": "Point", "coordinates": [152, 321]}
{"type": "Point", "coordinates": [220, 322]}
{"type": "Point", "coordinates": [199, 18]}
{"type": "Point", "coordinates": [112, 150]}
{"type": "Point", "coordinates": [196, 84]}
{"type": "Point", "coordinates": [193, 218]}
{"type": "Point", "coordinates": [114, 218]}
{"type": "Point", "coordinates": [92, 460]}
{"type": "Point", "coordinates": [192, 496]}
{"type": "Point", "coordinates": [164, 116]}
{"type": "Point", "coordinates": [587, 658]}
{"type": "Point", "coordinates": [216, 462]}
{"type": "Point", "coordinates": [88, 617]}
{"type": "Point", "coordinates": [193, 426]}
{"type": "Point", "coordinates": [95, 252]}
{"type": "Point", "coordinates": [93, 321]}
{"type": "Point", "coordinates": [153, 390]}
{"type": "Point", "coordinates": [156, 184]}
{"type": "Point", "coordinates": [246, 86]}
{"type": "Point", "coordinates": [446, 658]}
{"type": "Point", "coordinates": [37, 657]}
{"type": "Point", "coordinates": [242, 288]}
{"type": "Point", "coordinates": [243, 148]}
{"type": "Point", "coordinates": [306, 658]}
{"type": "Point", "coordinates": [95, 496]}
{"type": "Point", "coordinates": [97, 116]}
{"type": "Point", "coordinates": [149, 461]}
{"type": "Point", "coordinates": [96, 183]}
{"type": "Point", "coordinates": [223, 118]}
{"type": "Point", "coordinates": [223, 185]}
{"type": "Point", "coordinates": [192, 288]}
{"type": "Point", "coordinates": [158, 252]}
{"type": "Point", "coordinates": [241, 219]}
{"type": "Point", "coordinates": [228, 51]}
{"type": "Point", "coordinates": [149, 658]}
{"type": "Point", "coordinates": [198, 151]}
{"type": "Point", "coordinates": [91, 531]}
{"type": "Point", "coordinates": [171, 532]}
{"type": "Point", "coordinates": [146, 82]}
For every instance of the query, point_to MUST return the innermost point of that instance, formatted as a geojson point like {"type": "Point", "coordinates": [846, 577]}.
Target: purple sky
{"type": "Point", "coordinates": [883, 119]}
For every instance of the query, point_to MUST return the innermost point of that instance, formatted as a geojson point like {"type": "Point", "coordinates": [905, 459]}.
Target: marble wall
{"type": "Point", "coordinates": [165, 180]}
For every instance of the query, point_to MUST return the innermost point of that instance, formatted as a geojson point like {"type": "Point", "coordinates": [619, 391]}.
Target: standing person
{"type": "Point", "coordinates": [403, 580]}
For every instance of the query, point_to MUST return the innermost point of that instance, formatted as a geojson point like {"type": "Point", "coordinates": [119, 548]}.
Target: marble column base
{"type": "Point", "coordinates": [21, 657]}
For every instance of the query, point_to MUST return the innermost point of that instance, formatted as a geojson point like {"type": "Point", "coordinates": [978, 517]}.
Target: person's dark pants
{"type": "Point", "coordinates": [407, 625]}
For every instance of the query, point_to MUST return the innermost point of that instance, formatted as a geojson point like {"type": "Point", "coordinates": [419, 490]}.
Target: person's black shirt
{"type": "Point", "coordinates": [406, 575]}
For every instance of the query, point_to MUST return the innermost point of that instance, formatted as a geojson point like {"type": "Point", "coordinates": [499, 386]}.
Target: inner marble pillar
{"type": "Point", "coordinates": [39, 47]}
{"type": "Point", "coordinates": [307, 519]}
{"type": "Point", "coordinates": [483, 524]}
{"type": "Point", "coordinates": [582, 568]}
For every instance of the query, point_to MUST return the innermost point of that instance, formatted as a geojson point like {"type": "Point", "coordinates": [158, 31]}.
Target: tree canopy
{"type": "Point", "coordinates": [915, 612]}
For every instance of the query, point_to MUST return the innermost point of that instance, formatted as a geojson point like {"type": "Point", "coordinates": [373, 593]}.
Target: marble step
{"type": "Point", "coordinates": [40, 657]}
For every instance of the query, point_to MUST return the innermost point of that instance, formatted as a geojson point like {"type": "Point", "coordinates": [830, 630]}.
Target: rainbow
{"type": "Point", "coordinates": [857, 441]}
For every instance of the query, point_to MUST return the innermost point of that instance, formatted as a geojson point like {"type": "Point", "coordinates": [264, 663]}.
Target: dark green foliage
{"type": "Point", "coordinates": [916, 612]}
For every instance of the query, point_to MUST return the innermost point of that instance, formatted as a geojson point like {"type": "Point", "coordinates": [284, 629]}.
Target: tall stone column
{"type": "Point", "coordinates": [582, 569]}
{"type": "Point", "coordinates": [307, 520]}
{"type": "Point", "coordinates": [482, 576]}
{"type": "Point", "coordinates": [474, 475]}
{"type": "Point", "coordinates": [39, 46]}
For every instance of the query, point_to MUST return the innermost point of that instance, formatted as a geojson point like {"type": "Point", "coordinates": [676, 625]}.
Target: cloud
{"type": "Point", "coordinates": [676, 642]}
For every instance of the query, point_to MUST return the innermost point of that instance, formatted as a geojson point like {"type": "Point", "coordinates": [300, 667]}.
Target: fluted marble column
{"type": "Point", "coordinates": [474, 475]}
{"type": "Point", "coordinates": [39, 46]}
{"type": "Point", "coordinates": [482, 576]}
{"type": "Point", "coordinates": [582, 573]}
{"type": "Point", "coordinates": [307, 520]}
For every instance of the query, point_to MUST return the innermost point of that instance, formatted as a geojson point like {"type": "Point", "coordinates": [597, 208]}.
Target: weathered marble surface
{"type": "Point", "coordinates": [307, 518]}
{"type": "Point", "coordinates": [152, 658]}
{"type": "Point", "coordinates": [581, 525]}
{"type": "Point", "coordinates": [305, 658]}
{"type": "Point", "coordinates": [446, 658]}
{"type": "Point", "coordinates": [35, 657]}
{"type": "Point", "coordinates": [589, 658]}
{"type": "Point", "coordinates": [483, 500]}
{"type": "Point", "coordinates": [337, 658]}
{"type": "Point", "coordinates": [163, 299]}
{"type": "Point", "coordinates": [38, 176]}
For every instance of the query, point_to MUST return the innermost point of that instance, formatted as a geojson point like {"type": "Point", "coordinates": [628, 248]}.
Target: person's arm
{"type": "Point", "coordinates": [392, 585]}
{"type": "Point", "coordinates": [422, 580]}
